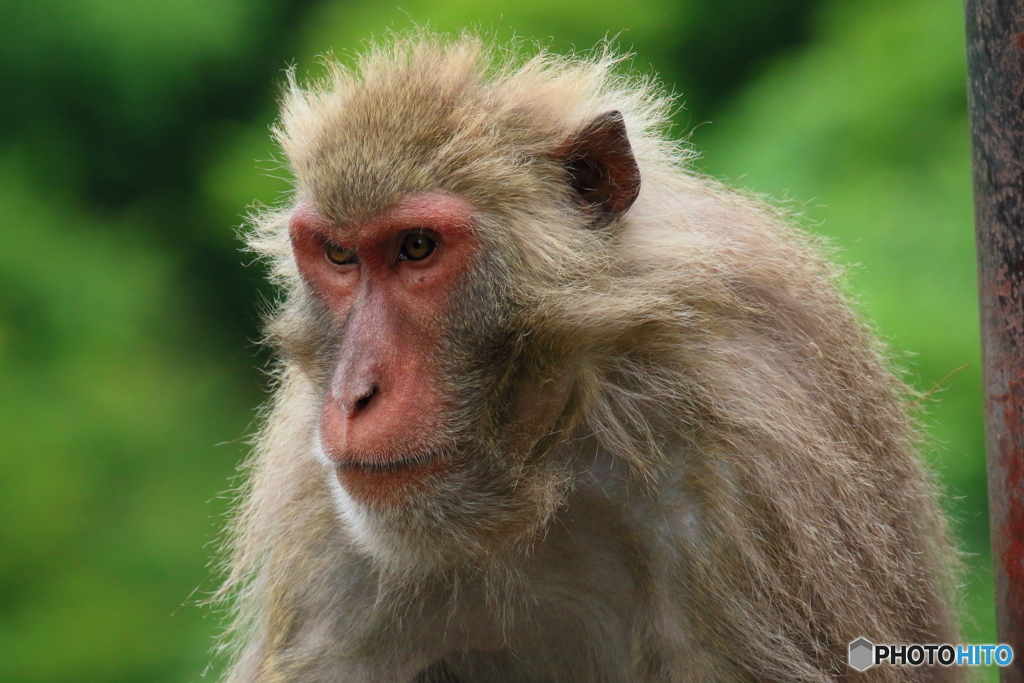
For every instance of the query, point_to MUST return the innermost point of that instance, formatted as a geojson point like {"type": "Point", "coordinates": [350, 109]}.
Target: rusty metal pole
{"type": "Point", "coordinates": [995, 65]}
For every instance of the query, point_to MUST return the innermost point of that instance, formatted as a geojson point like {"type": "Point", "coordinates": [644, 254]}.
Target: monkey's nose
{"type": "Point", "coordinates": [363, 402]}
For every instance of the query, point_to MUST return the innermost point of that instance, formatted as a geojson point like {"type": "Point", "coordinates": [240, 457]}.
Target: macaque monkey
{"type": "Point", "coordinates": [552, 407]}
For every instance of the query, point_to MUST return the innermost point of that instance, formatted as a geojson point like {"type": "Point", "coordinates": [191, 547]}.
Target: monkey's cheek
{"type": "Point", "coordinates": [379, 487]}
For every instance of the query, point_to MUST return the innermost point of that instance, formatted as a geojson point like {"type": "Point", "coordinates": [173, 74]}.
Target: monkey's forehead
{"type": "Point", "coordinates": [357, 156]}
{"type": "Point", "coordinates": [427, 120]}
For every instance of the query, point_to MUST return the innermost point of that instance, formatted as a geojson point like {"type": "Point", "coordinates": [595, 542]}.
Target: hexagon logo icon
{"type": "Point", "coordinates": [862, 654]}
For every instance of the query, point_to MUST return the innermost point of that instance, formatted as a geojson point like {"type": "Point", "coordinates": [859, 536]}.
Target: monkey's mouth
{"type": "Point", "coordinates": [378, 483]}
{"type": "Point", "coordinates": [389, 466]}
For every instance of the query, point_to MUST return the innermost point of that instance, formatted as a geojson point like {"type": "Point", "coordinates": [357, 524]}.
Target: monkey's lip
{"type": "Point", "coordinates": [388, 466]}
{"type": "Point", "coordinates": [388, 483]}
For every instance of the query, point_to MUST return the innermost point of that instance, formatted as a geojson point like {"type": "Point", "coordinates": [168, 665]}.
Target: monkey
{"type": "Point", "coordinates": [550, 405]}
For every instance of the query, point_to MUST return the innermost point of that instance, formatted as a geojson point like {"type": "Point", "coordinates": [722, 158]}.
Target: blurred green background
{"type": "Point", "coordinates": [133, 137]}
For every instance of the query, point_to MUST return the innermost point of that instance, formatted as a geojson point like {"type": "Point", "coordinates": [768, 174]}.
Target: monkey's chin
{"type": "Point", "coordinates": [388, 483]}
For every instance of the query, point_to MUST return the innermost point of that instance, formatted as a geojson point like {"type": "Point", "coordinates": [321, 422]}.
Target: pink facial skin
{"type": "Point", "coordinates": [384, 403]}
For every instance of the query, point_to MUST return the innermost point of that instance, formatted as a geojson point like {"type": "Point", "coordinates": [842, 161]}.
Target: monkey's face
{"type": "Point", "coordinates": [429, 423]}
{"type": "Point", "coordinates": [425, 244]}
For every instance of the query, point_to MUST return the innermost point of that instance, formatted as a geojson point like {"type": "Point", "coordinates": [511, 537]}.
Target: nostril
{"type": "Point", "coordinates": [365, 400]}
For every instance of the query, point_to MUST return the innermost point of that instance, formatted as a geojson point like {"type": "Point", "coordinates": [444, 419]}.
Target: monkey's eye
{"type": "Point", "coordinates": [339, 256]}
{"type": "Point", "coordinates": [416, 246]}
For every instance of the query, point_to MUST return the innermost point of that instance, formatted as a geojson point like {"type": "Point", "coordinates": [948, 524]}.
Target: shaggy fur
{"type": "Point", "coordinates": [732, 491]}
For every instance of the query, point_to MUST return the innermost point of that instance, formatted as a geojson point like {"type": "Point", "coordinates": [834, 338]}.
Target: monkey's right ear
{"type": "Point", "coordinates": [601, 166]}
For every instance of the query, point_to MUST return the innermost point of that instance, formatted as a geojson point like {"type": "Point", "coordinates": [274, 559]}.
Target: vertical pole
{"type": "Point", "coordinates": [995, 64]}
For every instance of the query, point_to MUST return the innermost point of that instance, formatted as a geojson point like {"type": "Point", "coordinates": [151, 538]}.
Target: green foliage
{"type": "Point", "coordinates": [110, 413]}
{"type": "Point", "coordinates": [134, 136]}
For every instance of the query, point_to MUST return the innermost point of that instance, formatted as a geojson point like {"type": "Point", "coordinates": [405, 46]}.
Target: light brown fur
{"type": "Point", "coordinates": [732, 490]}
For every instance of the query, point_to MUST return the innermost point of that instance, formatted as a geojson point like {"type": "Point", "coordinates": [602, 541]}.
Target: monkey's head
{"type": "Point", "coordinates": [441, 211]}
